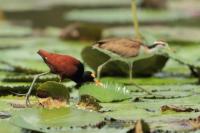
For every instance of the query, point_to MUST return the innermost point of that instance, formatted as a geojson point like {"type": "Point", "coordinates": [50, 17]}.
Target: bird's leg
{"type": "Point", "coordinates": [101, 67]}
{"type": "Point", "coordinates": [59, 79]}
{"type": "Point", "coordinates": [31, 87]}
{"type": "Point", "coordinates": [131, 76]}
{"type": "Point", "coordinates": [130, 70]}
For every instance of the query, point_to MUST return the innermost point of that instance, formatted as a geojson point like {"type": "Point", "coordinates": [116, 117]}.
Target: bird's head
{"type": "Point", "coordinates": [90, 77]}
{"type": "Point", "coordinates": [160, 47]}
{"type": "Point", "coordinates": [44, 54]}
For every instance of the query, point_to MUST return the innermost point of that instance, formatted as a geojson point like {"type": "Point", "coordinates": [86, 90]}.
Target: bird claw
{"type": "Point", "coordinates": [27, 101]}
{"type": "Point", "coordinates": [98, 83]}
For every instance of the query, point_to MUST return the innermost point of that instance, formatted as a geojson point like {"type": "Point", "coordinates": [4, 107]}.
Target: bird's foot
{"type": "Point", "coordinates": [99, 83]}
{"type": "Point", "coordinates": [27, 101]}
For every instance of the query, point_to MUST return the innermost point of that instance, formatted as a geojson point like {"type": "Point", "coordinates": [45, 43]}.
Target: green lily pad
{"type": "Point", "coordinates": [29, 78]}
{"type": "Point", "coordinates": [145, 67]}
{"type": "Point", "coordinates": [6, 127]}
{"type": "Point", "coordinates": [53, 89]}
{"type": "Point", "coordinates": [123, 16]}
{"type": "Point", "coordinates": [19, 87]}
{"type": "Point", "coordinates": [8, 30]}
{"type": "Point", "coordinates": [160, 32]}
{"type": "Point", "coordinates": [108, 93]}
{"type": "Point", "coordinates": [23, 5]}
{"type": "Point", "coordinates": [54, 120]}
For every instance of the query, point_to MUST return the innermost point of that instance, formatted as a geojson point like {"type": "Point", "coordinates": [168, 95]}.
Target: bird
{"type": "Point", "coordinates": [66, 67]}
{"type": "Point", "coordinates": [128, 51]}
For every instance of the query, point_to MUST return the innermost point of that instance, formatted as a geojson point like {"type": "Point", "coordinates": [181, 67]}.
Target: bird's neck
{"type": "Point", "coordinates": [145, 50]}
{"type": "Point", "coordinates": [151, 50]}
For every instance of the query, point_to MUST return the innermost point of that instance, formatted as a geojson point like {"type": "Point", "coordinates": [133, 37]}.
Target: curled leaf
{"type": "Point", "coordinates": [54, 90]}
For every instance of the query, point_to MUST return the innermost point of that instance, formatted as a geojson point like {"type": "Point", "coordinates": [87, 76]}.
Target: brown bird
{"type": "Point", "coordinates": [66, 67]}
{"type": "Point", "coordinates": [128, 51]}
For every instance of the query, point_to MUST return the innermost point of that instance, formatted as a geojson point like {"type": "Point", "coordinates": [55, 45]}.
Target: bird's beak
{"type": "Point", "coordinates": [93, 75]}
{"type": "Point", "coordinates": [97, 82]}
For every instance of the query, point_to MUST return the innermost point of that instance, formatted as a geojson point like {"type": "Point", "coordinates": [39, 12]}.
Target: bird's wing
{"type": "Point", "coordinates": [63, 64]}
{"type": "Point", "coordinates": [123, 47]}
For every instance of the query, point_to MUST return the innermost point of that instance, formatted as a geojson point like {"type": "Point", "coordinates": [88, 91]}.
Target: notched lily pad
{"type": "Point", "coordinates": [145, 67]}
{"type": "Point", "coordinates": [108, 93]}
{"type": "Point", "coordinates": [54, 90]}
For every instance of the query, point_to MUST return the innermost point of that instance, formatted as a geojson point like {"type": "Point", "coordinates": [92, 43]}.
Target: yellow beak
{"type": "Point", "coordinates": [97, 82]}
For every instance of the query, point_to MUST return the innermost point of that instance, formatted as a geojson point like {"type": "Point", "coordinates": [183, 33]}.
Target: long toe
{"type": "Point", "coordinates": [27, 101]}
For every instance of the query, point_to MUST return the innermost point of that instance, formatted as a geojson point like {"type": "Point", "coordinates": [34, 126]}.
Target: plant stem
{"type": "Point", "coordinates": [135, 20]}
{"type": "Point", "coordinates": [1, 15]}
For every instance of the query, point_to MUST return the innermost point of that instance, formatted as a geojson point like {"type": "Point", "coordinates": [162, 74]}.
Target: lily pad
{"type": "Point", "coordinates": [53, 89]}
{"type": "Point", "coordinates": [145, 67]}
{"type": "Point", "coordinates": [54, 120]}
{"type": "Point", "coordinates": [107, 93]}
{"type": "Point", "coordinates": [160, 32]}
{"type": "Point", "coordinates": [123, 16]}
{"type": "Point", "coordinates": [9, 30]}
{"type": "Point", "coordinates": [6, 127]}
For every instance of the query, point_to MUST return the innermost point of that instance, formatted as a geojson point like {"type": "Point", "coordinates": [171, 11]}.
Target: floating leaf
{"type": "Point", "coordinates": [6, 127]}
{"type": "Point", "coordinates": [4, 115]}
{"type": "Point", "coordinates": [89, 103]}
{"type": "Point", "coordinates": [108, 93]}
{"type": "Point", "coordinates": [14, 87]}
{"type": "Point", "coordinates": [144, 67]}
{"type": "Point", "coordinates": [164, 33]}
{"type": "Point", "coordinates": [29, 78]}
{"type": "Point", "coordinates": [20, 69]}
{"type": "Point", "coordinates": [54, 120]}
{"type": "Point", "coordinates": [53, 89]}
{"type": "Point", "coordinates": [9, 30]}
{"type": "Point", "coordinates": [177, 109]}
{"type": "Point", "coordinates": [123, 16]}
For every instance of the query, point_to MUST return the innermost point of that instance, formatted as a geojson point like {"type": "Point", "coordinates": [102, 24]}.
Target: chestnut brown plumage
{"type": "Point", "coordinates": [66, 67]}
{"type": "Point", "coordinates": [128, 50]}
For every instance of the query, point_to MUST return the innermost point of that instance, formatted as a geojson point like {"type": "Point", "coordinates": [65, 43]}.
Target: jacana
{"type": "Point", "coordinates": [128, 51]}
{"type": "Point", "coordinates": [66, 67]}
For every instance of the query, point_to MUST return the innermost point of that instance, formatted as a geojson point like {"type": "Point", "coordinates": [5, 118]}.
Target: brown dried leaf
{"type": "Point", "coordinates": [140, 127]}
{"type": "Point", "coordinates": [89, 103]}
{"type": "Point", "coordinates": [177, 108]}
{"type": "Point", "coordinates": [195, 123]}
{"type": "Point", "coordinates": [52, 103]}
